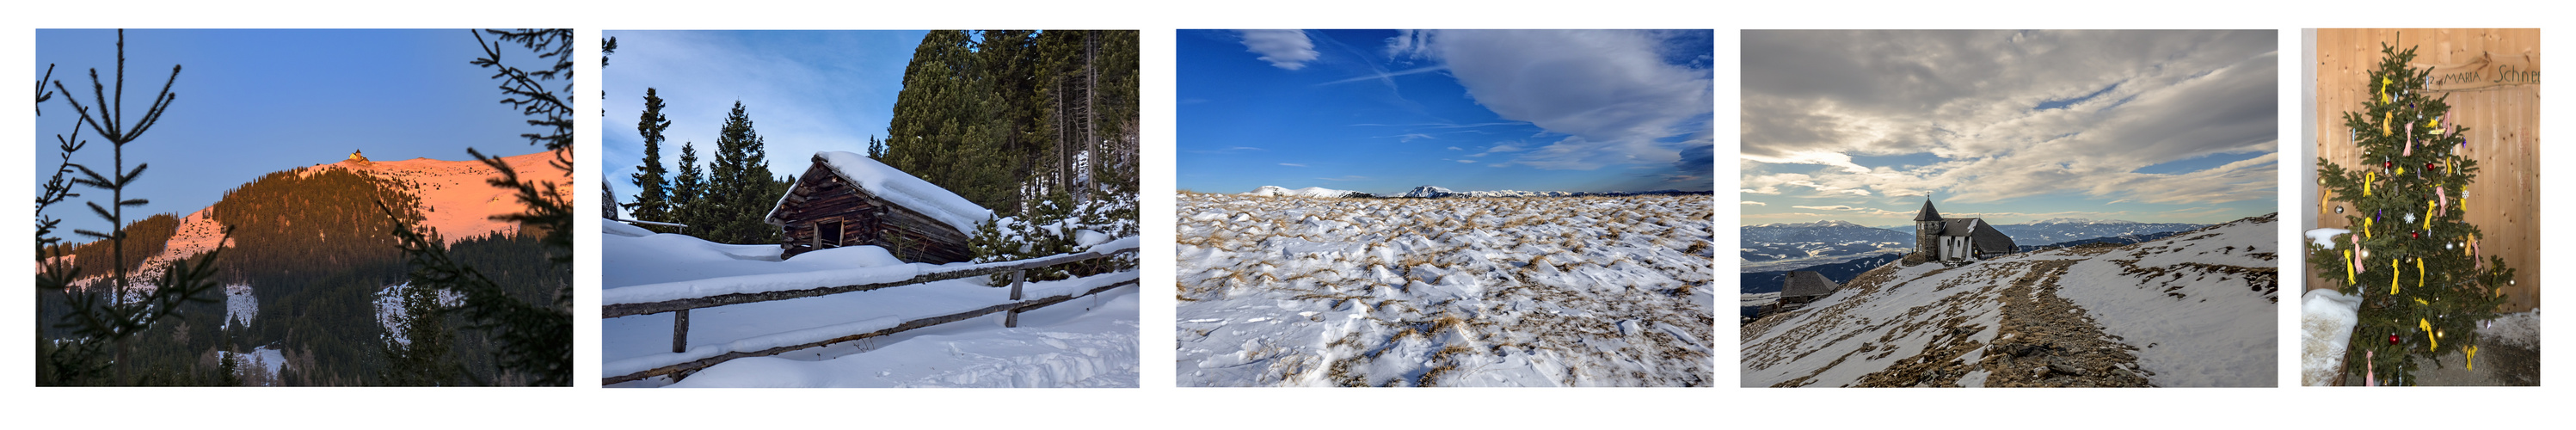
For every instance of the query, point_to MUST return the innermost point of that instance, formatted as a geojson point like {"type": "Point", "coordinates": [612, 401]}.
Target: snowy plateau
{"type": "Point", "coordinates": [1086, 342]}
{"type": "Point", "coordinates": [2193, 310]}
{"type": "Point", "coordinates": [1581, 291]}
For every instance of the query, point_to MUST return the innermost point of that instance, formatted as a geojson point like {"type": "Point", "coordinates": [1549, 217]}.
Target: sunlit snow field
{"type": "Point", "coordinates": [1586, 291]}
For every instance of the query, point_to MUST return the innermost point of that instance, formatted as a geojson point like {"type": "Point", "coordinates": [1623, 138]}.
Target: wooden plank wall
{"type": "Point", "coordinates": [2505, 135]}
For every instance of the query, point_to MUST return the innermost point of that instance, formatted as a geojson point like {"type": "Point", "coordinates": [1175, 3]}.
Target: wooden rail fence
{"type": "Point", "coordinates": [1019, 275]}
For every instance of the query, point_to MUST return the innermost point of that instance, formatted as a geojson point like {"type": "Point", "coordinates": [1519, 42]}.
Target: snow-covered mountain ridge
{"type": "Point", "coordinates": [1820, 242]}
{"type": "Point", "coordinates": [2195, 309]}
{"type": "Point", "coordinates": [1433, 192]}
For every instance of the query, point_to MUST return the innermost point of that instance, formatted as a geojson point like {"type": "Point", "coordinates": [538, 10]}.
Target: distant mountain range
{"type": "Point", "coordinates": [1433, 192]}
{"type": "Point", "coordinates": [2071, 229]}
{"type": "Point", "coordinates": [1787, 246]}
{"type": "Point", "coordinates": [1276, 191]}
{"type": "Point", "coordinates": [1769, 242]}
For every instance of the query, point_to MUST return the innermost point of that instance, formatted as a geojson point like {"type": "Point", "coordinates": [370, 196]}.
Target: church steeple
{"type": "Point", "coordinates": [1927, 214]}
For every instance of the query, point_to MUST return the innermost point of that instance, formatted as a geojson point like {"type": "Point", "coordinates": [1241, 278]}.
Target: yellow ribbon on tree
{"type": "Point", "coordinates": [2419, 273]}
{"type": "Point", "coordinates": [2428, 332]}
{"type": "Point", "coordinates": [2429, 207]}
{"type": "Point", "coordinates": [2348, 277]}
{"type": "Point", "coordinates": [2365, 227]}
{"type": "Point", "coordinates": [2473, 357]}
{"type": "Point", "coordinates": [2395, 272]}
{"type": "Point", "coordinates": [2366, 179]}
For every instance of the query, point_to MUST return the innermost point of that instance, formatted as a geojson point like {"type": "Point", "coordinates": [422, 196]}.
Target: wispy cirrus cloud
{"type": "Point", "coordinates": [1285, 49]}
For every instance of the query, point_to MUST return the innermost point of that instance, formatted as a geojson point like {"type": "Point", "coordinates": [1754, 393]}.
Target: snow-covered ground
{"type": "Point", "coordinates": [2326, 318]}
{"type": "Point", "coordinates": [389, 307]}
{"type": "Point", "coordinates": [1087, 342]}
{"type": "Point", "coordinates": [1607, 291]}
{"type": "Point", "coordinates": [240, 305]}
{"type": "Point", "coordinates": [267, 359]}
{"type": "Point", "coordinates": [2195, 309]}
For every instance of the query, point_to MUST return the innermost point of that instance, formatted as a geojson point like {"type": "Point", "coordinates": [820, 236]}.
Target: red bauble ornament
{"type": "Point", "coordinates": [2429, 166]}
{"type": "Point", "coordinates": [2392, 339]}
{"type": "Point", "coordinates": [2415, 235]}
{"type": "Point", "coordinates": [2387, 164]}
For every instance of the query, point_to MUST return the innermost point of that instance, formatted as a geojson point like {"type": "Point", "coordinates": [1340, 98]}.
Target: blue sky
{"type": "Point", "coordinates": [1383, 111]}
{"type": "Point", "coordinates": [2012, 126]}
{"type": "Point", "coordinates": [805, 91]}
{"type": "Point", "coordinates": [252, 102]}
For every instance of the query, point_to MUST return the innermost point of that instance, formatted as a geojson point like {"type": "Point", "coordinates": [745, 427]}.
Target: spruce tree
{"type": "Point", "coordinates": [740, 188]}
{"type": "Point", "coordinates": [652, 200]}
{"type": "Point", "coordinates": [532, 336]}
{"type": "Point", "coordinates": [2410, 256]}
{"type": "Point", "coordinates": [687, 208]}
{"type": "Point", "coordinates": [418, 349]}
{"type": "Point", "coordinates": [101, 321]}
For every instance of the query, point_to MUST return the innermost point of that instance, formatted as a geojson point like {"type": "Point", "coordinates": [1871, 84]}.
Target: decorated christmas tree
{"type": "Point", "coordinates": [2409, 255]}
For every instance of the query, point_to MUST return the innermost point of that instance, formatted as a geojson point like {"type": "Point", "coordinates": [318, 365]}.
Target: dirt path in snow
{"type": "Point", "coordinates": [2047, 341]}
{"type": "Point", "coordinates": [2043, 341]}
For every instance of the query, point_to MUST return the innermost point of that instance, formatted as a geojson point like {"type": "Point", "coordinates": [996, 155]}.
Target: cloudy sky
{"type": "Point", "coordinates": [252, 102]}
{"type": "Point", "coordinates": [1384, 111]}
{"type": "Point", "coordinates": [806, 91]}
{"type": "Point", "coordinates": [2014, 126]}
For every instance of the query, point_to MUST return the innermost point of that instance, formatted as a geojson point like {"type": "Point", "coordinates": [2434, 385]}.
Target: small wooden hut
{"type": "Point", "coordinates": [1802, 287]}
{"type": "Point", "coordinates": [846, 199]}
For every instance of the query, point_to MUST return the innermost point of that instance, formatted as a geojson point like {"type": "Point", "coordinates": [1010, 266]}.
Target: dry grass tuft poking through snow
{"type": "Point", "coordinates": [1583, 291]}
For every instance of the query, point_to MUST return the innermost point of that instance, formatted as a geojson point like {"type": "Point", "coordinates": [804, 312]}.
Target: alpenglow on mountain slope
{"type": "Point", "coordinates": [2193, 310]}
{"type": "Point", "coordinates": [308, 256]}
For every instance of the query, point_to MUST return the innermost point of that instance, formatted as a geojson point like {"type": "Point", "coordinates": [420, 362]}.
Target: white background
{"type": "Point", "coordinates": [1158, 404]}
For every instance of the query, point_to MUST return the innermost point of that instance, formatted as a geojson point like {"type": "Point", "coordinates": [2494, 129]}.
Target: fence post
{"type": "Point", "coordinates": [1017, 277]}
{"type": "Point", "coordinates": [680, 331]}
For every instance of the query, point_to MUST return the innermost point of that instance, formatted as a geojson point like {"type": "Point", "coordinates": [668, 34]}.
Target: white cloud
{"type": "Point", "coordinates": [1285, 49]}
{"type": "Point", "coordinates": [1453, 148]}
{"type": "Point", "coordinates": [1610, 93]}
{"type": "Point", "coordinates": [813, 100]}
{"type": "Point", "coordinates": [1755, 203]}
{"type": "Point", "coordinates": [1969, 103]}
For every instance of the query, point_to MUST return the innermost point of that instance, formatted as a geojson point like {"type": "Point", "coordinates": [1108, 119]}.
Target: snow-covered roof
{"type": "Point", "coordinates": [898, 188]}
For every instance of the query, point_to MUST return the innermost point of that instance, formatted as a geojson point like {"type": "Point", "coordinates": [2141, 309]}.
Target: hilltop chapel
{"type": "Point", "coordinates": [1956, 239]}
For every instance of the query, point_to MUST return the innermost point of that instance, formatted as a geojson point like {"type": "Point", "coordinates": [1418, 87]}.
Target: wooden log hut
{"type": "Point", "coordinates": [846, 199]}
